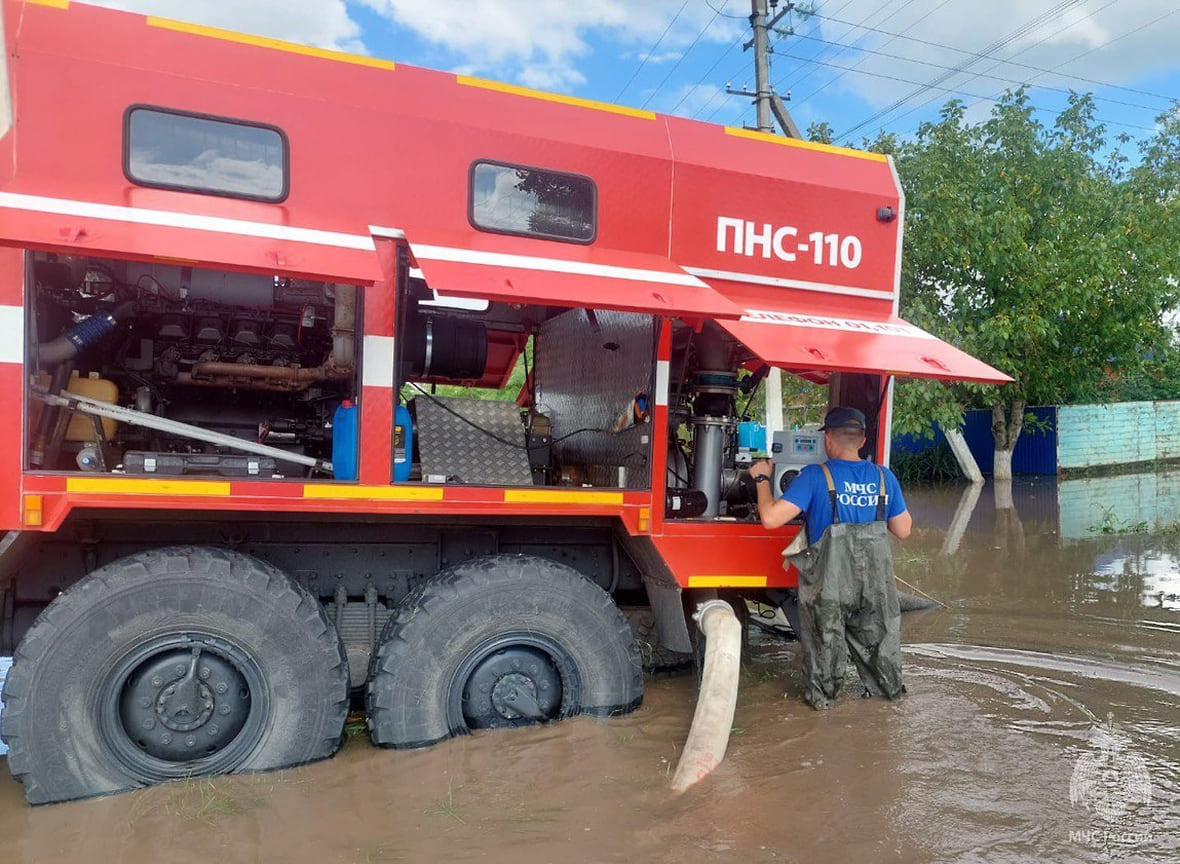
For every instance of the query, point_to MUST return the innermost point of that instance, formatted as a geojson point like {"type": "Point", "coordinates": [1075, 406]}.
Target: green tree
{"type": "Point", "coordinates": [1038, 249]}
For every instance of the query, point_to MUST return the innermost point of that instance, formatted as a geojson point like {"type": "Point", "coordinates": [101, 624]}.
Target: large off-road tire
{"type": "Point", "coordinates": [175, 662]}
{"type": "Point", "coordinates": [504, 640]}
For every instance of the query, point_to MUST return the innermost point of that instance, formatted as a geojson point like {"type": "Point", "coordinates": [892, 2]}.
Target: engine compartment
{"type": "Point", "coordinates": [265, 360]}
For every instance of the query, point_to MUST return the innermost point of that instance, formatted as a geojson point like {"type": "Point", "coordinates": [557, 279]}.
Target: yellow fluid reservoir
{"type": "Point", "coordinates": [81, 426]}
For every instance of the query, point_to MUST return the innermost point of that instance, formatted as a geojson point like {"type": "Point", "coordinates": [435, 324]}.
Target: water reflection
{"type": "Point", "coordinates": [1118, 537]}
{"type": "Point", "coordinates": [1153, 572]}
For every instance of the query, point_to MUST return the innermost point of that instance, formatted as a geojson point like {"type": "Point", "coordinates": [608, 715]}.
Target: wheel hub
{"type": "Point", "coordinates": [513, 695]}
{"type": "Point", "coordinates": [183, 704]}
{"type": "Point", "coordinates": [512, 686]}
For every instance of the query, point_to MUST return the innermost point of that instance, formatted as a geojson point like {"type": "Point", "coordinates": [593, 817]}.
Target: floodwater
{"type": "Point", "coordinates": [1042, 724]}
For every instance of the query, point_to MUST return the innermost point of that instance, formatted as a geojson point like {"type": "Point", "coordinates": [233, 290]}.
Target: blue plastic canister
{"type": "Point", "coordinates": [753, 435]}
{"type": "Point", "coordinates": [344, 443]}
{"type": "Point", "coordinates": [403, 443]}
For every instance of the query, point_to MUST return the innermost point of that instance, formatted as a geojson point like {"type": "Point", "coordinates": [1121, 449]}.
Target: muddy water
{"type": "Point", "coordinates": [1057, 658]}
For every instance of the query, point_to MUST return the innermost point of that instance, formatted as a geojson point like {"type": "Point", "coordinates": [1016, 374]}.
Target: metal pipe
{"type": "Point", "coordinates": [96, 408]}
{"type": "Point", "coordinates": [291, 377]}
{"type": "Point", "coordinates": [707, 452]}
{"type": "Point", "coordinates": [708, 737]}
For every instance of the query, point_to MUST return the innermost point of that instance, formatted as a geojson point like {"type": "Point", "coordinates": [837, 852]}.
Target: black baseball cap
{"type": "Point", "coordinates": [843, 418]}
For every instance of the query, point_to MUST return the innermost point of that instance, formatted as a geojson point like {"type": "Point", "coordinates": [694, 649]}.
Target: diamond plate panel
{"type": "Point", "coordinates": [455, 440]}
{"type": "Point", "coordinates": [588, 370]}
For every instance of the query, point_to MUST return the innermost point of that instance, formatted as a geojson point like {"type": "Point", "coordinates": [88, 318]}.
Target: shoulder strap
{"type": "Point", "coordinates": [882, 496]}
{"type": "Point", "coordinates": [831, 490]}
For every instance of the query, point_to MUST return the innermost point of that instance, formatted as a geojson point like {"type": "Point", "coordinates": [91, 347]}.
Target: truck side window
{"type": "Point", "coordinates": [196, 153]}
{"type": "Point", "coordinates": [513, 199]}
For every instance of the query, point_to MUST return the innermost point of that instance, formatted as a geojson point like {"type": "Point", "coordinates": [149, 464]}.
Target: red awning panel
{"type": "Point", "coordinates": [835, 334]}
{"type": "Point", "coordinates": [519, 270]}
{"type": "Point", "coordinates": [119, 230]}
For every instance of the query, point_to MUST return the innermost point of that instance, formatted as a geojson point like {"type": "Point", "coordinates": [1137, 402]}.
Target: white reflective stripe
{"type": "Point", "coordinates": [789, 283]}
{"type": "Point", "coordinates": [172, 219]}
{"type": "Point", "coordinates": [553, 265]}
{"type": "Point", "coordinates": [12, 334]}
{"type": "Point", "coordinates": [828, 322]}
{"type": "Point", "coordinates": [663, 375]}
{"type": "Point", "coordinates": [388, 233]}
{"type": "Point", "coordinates": [378, 365]}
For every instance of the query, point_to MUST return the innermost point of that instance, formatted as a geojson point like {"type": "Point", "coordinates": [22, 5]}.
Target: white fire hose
{"type": "Point", "coordinates": [709, 735]}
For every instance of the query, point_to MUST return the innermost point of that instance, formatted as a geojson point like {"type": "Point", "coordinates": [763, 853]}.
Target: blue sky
{"type": "Point", "coordinates": [860, 65]}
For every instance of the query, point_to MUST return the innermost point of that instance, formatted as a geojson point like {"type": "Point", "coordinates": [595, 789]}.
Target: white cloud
{"type": "Point", "coordinates": [541, 42]}
{"type": "Point", "coordinates": [322, 23]}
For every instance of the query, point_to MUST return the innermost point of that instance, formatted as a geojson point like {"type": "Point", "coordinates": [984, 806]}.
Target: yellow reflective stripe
{"type": "Point", "coordinates": [56, 4]}
{"type": "Point", "coordinates": [128, 486]}
{"type": "Point", "coordinates": [515, 90]}
{"type": "Point", "coordinates": [263, 42]}
{"type": "Point", "coordinates": [552, 496]}
{"type": "Point", "coordinates": [375, 493]}
{"type": "Point", "coordinates": [726, 581]}
{"type": "Point", "coordinates": [805, 145]}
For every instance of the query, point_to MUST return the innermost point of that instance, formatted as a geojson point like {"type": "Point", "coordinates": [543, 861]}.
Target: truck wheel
{"type": "Point", "coordinates": [506, 640]}
{"type": "Point", "coordinates": [172, 663]}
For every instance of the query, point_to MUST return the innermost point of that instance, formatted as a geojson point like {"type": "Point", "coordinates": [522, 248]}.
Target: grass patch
{"type": "Point", "coordinates": [203, 800]}
{"type": "Point", "coordinates": [1111, 524]}
{"type": "Point", "coordinates": [906, 556]}
{"type": "Point", "coordinates": [446, 807]}
{"type": "Point", "coordinates": [934, 465]}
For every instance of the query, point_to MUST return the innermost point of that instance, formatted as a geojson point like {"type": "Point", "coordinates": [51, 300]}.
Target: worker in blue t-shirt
{"type": "Point", "coordinates": [847, 594]}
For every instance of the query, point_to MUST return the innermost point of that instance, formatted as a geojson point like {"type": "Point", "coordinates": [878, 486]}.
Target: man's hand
{"type": "Point", "coordinates": [773, 513]}
{"type": "Point", "coordinates": [762, 468]}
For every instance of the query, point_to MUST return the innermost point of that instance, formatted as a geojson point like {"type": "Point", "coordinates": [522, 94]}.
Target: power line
{"type": "Point", "coordinates": [716, 12]}
{"type": "Point", "coordinates": [1023, 50]}
{"type": "Point", "coordinates": [1072, 59]}
{"type": "Point", "coordinates": [836, 78]}
{"type": "Point", "coordinates": [725, 14]}
{"type": "Point", "coordinates": [812, 13]}
{"type": "Point", "coordinates": [1112, 41]}
{"type": "Point", "coordinates": [1009, 60]}
{"type": "Point", "coordinates": [951, 90]}
{"type": "Point", "coordinates": [811, 72]}
{"type": "Point", "coordinates": [989, 50]}
{"type": "Point", "coordinates": [977, 75]}
{"type": "Point", "coordinates": [651, 51]}
{"type": "Point", "coordinates": [708, 72]}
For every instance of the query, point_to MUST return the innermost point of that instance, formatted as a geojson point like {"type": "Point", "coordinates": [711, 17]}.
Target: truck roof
{"type": "Point", "coordinates": [689, 218]}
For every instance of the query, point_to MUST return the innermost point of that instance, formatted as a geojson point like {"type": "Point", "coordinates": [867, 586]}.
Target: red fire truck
{"type": "Point", "coordinates": [237, 273]}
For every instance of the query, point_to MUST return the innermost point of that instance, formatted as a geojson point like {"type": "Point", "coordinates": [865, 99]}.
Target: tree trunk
{"type": "Point", "coordinates": [1006, 426]}
{"type": "Point", "coordinates": [1009, 529]}
{"type": "Point", "coordinates": [1002, 466]}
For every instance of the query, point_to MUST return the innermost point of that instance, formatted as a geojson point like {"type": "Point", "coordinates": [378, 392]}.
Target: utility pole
{"type": "Point", "coordinates": [766, 101]}
{"type": "Point", "coordinates": [762, 63]}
